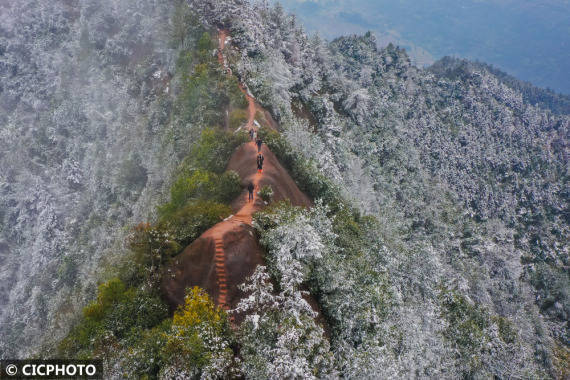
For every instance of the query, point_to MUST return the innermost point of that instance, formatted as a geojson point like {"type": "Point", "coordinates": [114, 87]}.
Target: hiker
{"type": "Point", "coordinates": [250, 189]}
{"type": "Point", "coordinates": [259, 142]}
{"type": "Point", "coordinates": [251, 134]}
{"type": "Point", "coordinates": [260, 159]}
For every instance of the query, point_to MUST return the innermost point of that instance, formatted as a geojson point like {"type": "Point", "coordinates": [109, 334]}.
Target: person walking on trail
{"type": "Point", "coordinates": [259, 142]}
{"type": "Point", "coordinates": [251, 134]}
{"type": "Point", "coordinates": [250, 189]}
{"type": "Point", "coordinates": [260, 159]}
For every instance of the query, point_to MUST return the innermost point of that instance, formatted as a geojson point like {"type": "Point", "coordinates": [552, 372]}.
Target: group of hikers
{"type": "Point", "coordinates": [260, 159]}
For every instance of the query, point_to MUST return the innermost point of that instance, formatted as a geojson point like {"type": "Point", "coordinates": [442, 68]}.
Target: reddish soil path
{"type": "Point", "coordinates": [252, 106]}
{"type": "Point", "coordinates": [222, 37]}
{"type": "Point", "coordinates": [226, 254]}
{"type": "Point", "coordinates": [284, 187]}
{"type": "Point", "coordinates": [222, 257]}
{"type": "Point", "coordinates": [220, 260]}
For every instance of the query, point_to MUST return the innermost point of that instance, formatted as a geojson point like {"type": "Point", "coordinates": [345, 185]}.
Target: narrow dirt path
{"type": "Point", "coordinates": [252, 106]}
{"type": "Point", "coordinates": [222, 38]}
{"type": "Point", "coordinates": [233, 223]}
{"type": "Point", "coordinates": [220, 260]}
{"type": "Point", "coordinates": [226, 254]}
{"type": "Point", "coordinates": [244, 215]}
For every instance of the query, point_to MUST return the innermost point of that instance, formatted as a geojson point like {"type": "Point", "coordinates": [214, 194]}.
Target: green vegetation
{"type": "Point", "coordinates": [128, 310]}
{"type": "Point", "coordinates": [551, 284]}
{"type": "Point", "coordinates": [150, 247]}
{"type": "Point", "coordinates": [118, 312]}
{"type": "Point", "coordinates": [213, 150]}
{"type": "Point", "coordinates": [205, 91]}
{"type": "Point", "coordinates": [343, 242]}
{"type": "Point", "coordinates": [203, 96]}
{"type": "Point", "coordinates": [183, 25]}
{"type": "Point", "coordinates": [202, 188]}
{"type": "Point", "coordinates": [200, 184]}
{"type": "Point", "coordinates": [562, 361]}
{"type": "Point", "coordinates": [238, 118]}
{"type": "Point", "coordinates": [193, 219]}
{"type": "Point", "coordinates": [132, 174]}
{"type": "Point", "coordinates": [199, 332]}
{"type": "Point", "coordinates": [137, 324]}
{"type": "Point", "coordinates": [349, 252]}
{"type": "Point", "coordinates": [471, 327]}
{"type": "Point", "coordinates": [266, 193]}
{"type": "Point", "coordinates": [304, 172]}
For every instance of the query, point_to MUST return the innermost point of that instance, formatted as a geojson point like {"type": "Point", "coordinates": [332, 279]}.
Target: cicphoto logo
{"type": "Point", "coordinates": [51, 369]}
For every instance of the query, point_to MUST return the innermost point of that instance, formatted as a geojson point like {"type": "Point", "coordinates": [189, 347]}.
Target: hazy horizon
{"type": "Point", "coordinates": [527, 39]}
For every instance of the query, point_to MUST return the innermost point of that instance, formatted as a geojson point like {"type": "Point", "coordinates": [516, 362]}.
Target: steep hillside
{"type": "Point", "coordinates": [240, 253]}
{"type": "Point", "coordinates": [90, 134]}
{"type": "Point", "coordinates": [454, 68]}
{"type": "Point", "coordinates": [436, 244]}
{"type": "Point", "coordinates": [166, 311]}
{"type": "Point", "coordinates": [527, 38]}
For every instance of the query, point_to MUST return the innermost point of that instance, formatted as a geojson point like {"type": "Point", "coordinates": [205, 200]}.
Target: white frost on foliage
{"type": "Point", "coordinates": [83, 150]}
{"type": "Point", "coordinates": [279, 337]}
{"type": "Point", "coordinates": [439, 156]}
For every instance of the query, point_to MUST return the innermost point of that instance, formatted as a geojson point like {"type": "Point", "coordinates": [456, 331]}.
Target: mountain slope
{"type": "Point", "coordinates": [451, 68]}
{"type": "Point", "coordinates": [526, 38]}
{"type": "Point", "coordinates": [437, 244]}
{"type": "Point", "coordinates": [241, 253]}
{"type": "Point", "coordinates": [88, 145]}
{"type": "Point", "coordinates": [470, 178]}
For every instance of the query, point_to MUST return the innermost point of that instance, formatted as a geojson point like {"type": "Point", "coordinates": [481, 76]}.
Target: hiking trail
{"type": "Point", "coordinates": [253, 107]}
{"type": "Point", "coordinates": [226, 254]}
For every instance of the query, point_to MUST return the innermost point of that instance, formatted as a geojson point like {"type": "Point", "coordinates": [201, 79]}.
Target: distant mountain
{"type": "Point", "coordinates": [454, 68]}
{"type": "Point", "coordinates": [528, 39]}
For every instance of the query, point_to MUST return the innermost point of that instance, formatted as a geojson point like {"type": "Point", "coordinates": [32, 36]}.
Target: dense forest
{"type": "Point", "coordinates": [437, 241]}
{"type": "Point", "coordinates": [453, 68]}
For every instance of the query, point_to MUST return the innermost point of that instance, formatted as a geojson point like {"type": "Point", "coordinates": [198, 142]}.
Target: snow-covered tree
{"type": "Point", "coordinates": [279, 337]}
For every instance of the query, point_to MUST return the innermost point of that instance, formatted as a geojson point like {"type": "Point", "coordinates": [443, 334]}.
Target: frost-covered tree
{"type": "Point", "coordinates": [440, 249]}
{"type": "Point", "coordinates": [279, 337]}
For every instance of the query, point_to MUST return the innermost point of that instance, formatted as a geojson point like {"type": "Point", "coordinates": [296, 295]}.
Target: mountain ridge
{"type": "Point", "coordinates": [533, 95]}
{"type": "Point", "coordinates": [440, 202]}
